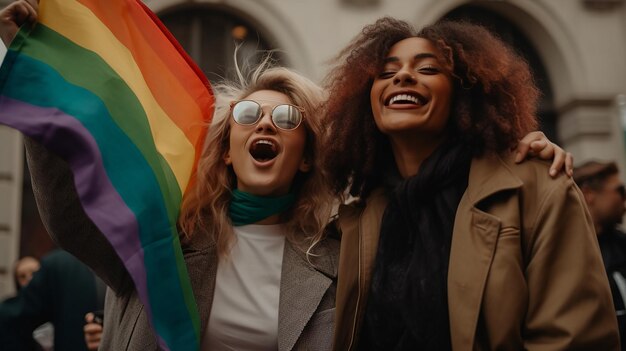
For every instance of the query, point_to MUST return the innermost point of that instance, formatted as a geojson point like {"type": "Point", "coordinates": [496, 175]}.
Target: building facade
{"type": "Point", "coordinates": [576, 47]}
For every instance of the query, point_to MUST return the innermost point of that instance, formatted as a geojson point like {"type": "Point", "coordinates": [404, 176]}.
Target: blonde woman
{"type": "Point", "coordinates": [262, 271]}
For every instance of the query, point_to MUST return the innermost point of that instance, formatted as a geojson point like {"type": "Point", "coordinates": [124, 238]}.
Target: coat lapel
{"type": "Point", "coordinates": [360, 230]}
{"type": "Point", "coordinates": [370, 224]}
{"type": "Point", "coordinates": [302, 287]}
{"type": "Point", "coordinates": [473, 246]}
{"type": "Point", "coordinates": [201, 259]}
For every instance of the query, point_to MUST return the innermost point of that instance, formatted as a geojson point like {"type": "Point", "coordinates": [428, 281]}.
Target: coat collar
{"type": "Point", "coordinates": [489, 175]}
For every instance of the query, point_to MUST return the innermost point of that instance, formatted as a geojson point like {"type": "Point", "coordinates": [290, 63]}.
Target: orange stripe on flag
{"type": "Point", "coordinates": [185, 95]}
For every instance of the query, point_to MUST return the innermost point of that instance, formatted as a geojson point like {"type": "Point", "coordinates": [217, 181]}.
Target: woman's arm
{"type": "Point", "coordinates": [66, 221]}
{"type": "Point", "coordinates": [569, 303]}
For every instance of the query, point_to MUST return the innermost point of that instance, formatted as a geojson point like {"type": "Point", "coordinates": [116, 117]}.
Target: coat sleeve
{"type": "Point", "coordinates": [65, 220]}
{"type": "Point", "coordinates": [570, 305]}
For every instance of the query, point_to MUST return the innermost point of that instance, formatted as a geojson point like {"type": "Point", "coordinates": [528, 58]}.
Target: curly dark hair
{"type": "Point", "coordinates": [493, 106]}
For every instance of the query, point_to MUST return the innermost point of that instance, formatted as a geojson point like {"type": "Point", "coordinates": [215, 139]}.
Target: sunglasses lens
{"type": "Point", "coordinates": [246, 112]}
{"type": "Point", "coordinates": [286, 116]}
{"type": "Point", "coordinates": [622, 191]}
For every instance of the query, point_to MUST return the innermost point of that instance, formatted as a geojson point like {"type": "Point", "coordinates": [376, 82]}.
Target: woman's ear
{"type": "Point", "coordinates": [305, 165]}
{"type": "Point", "coordinates": [227, 159]}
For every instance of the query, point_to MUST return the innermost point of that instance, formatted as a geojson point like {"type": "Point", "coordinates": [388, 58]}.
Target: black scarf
{"type": "Point", "coordinates": [407, 306]}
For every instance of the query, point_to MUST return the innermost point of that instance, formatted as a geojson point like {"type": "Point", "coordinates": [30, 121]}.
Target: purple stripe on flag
{"type": "Point", "coordinates": [66, 136]}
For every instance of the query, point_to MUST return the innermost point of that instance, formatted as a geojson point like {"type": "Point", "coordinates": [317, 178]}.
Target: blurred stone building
{"type": "Point", "coordinates": [577, 49]}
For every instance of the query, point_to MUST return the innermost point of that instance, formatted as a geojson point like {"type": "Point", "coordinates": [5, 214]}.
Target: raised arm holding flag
{"type": "Point", "coordinates": [107, 89]}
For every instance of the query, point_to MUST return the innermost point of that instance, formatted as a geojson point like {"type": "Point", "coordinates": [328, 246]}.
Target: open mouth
{"type": "Point", "coordinates": [403, 99]}
{"type": "Point", "coordinates": [263, 150]}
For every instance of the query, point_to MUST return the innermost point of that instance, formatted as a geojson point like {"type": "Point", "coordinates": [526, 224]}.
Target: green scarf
{"type": "Point", "coordinates": [246, 208]}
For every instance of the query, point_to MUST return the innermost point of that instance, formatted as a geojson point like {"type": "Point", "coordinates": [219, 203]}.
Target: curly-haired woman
{"type": "Point", "coordinates": [451, 243]}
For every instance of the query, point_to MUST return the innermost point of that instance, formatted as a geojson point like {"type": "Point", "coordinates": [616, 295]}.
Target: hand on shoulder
{"type": "Point", "coordinates": [536, 144]}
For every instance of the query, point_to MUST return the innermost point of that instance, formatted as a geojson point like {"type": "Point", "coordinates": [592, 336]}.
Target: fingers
{"type": "Point", "coordinates": [547, 151]}
{"type": "Point", "coordinates": [522, 151]}
{"type": "Point", "coordinates": [561, 160]}
{"type": "Point", "coordinates": [524, 146]}
{"type": "Point", "coordinates": [538, 145]}
{"type": "Point", "coordinates": [34, 4]}
{"type": "Point", "coordinates": [93, 338]}
{"type": "Point", "coordinates": [569, 164]}
{"type": "Point", "coordinates": [558, 161]}
{"type": "Point", "coordinates": [24, 11]}
{"type": "Point", "coordinates": [33, 9]}
{"type": "Point", "coordinates": [544, 150]}
{"type": "Point", "coordinates": [14, 16]}
{"type": "Point", "coordinates": [93, 332]}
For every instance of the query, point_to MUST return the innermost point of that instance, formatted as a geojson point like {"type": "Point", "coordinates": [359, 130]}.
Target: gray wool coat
{"type": "Point", "coordinates": [307, 292]}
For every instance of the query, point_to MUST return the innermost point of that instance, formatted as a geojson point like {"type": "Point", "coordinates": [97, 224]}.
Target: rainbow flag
{"type": "Point", "coordinates": [104, 85]}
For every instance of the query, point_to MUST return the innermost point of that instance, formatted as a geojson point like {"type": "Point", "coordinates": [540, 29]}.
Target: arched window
{"type": "Point", "coordinates": [509, 33]}
{"type": "Point", "coordinates": [210, 35]}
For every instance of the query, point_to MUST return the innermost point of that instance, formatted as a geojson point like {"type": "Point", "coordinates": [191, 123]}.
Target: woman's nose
{"type": "Point", "coordinates": [405, 76]}
{"type": "Point", "coordinates": [266, 124]}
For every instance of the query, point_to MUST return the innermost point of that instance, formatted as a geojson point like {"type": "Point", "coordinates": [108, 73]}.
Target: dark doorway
{"type": "Point", "coordinates": [210, 35]}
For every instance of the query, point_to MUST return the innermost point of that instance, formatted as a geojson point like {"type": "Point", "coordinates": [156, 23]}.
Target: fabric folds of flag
{"type": "Point", "coordinates": [104, 85]}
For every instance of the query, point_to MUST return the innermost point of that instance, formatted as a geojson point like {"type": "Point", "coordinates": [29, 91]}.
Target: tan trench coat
{"type": "Point", "coordinates": [525, 268]}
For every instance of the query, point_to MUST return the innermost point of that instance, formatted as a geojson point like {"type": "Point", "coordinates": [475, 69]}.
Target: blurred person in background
{"type": "Point", "coordinates": [61, 292]}
{"type": "Point", "coordinates": [24, 269]}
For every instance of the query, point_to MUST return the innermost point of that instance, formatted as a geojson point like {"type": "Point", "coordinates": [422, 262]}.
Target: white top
{"type": "Point", "coordinates": [3, 51]}
{"type": "Point", "coordinates": [244, 313]}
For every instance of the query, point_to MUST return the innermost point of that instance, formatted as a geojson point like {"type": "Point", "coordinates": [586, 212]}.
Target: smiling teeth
{"type": "Point", "coordinates": [270, 143]}
{"type": "Point", "coordinates": [404, 97]}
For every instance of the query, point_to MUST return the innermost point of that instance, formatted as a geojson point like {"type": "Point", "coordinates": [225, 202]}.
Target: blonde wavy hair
{"type": "Point", "coordinates": [205, 207]}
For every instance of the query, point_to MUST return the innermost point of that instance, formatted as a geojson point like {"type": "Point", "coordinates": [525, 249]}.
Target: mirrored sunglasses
{"type": "Point", "coordinates": [284, 116]}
